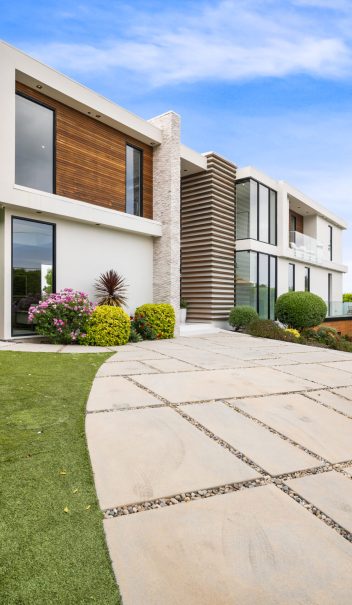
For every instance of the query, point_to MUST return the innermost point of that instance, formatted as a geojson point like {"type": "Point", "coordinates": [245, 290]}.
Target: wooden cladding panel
{"type": "Point", "coordinates": [299, 221]}
{"type": "Point", "coordinates": [91, 158]}
{"type": "Point", "coordinates": [208, 240]}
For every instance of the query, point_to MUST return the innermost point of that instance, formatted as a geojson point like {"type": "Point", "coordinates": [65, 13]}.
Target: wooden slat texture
{"type": "Point", "coordinates": [90, 158]}
{"type": "Point", "coordinates": [208, 241]}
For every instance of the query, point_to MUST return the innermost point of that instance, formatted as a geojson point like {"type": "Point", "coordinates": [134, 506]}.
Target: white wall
{"type": "Point", "coordinates": [318, 280]}
{"type": "Point", "coordinates": [83, 252]}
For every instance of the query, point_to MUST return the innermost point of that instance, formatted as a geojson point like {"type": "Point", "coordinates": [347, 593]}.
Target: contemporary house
{"type": "Point", "coordinates": [86, 186]}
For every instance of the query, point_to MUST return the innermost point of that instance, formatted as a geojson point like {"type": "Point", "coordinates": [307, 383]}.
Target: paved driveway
{"type": "Point", "coordinates": [223, 465]}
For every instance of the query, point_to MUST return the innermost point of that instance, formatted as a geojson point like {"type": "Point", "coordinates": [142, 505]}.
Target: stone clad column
{"type": "Point", "coordinates": [166, 210]}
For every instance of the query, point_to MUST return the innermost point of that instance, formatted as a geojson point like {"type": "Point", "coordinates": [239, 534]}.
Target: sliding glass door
{"type": "Point", "coordinates": [33, 268]}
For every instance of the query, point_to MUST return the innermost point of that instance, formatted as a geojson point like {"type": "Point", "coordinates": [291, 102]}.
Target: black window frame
{"type": "Point", "coordinates": [330, 242]}
{"type": "Point", "coordinates": [141, 209]}
{"type": "Point", "coordinates": [329, 293]}
{"type": "Point", "coordinates": [53, 109]}
{"type": "Point", "coordinates": [307, 278]}
{"type": "Point", "coordinates": [248, 179]}
{"type": "Point", "coordinates": [293, 277]}
{"type": "Point", "coordinates": [257, 277]}
{"type": "Point", "coordinates": [31, 220]}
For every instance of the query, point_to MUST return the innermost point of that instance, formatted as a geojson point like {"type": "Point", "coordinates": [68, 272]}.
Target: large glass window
{"type": "Point", "coordinates": [33, 269]}
{"type": "Point", "coordinates": [291, 277]}
{"type": "Point", "coordinates": [330, 242]}
{"type": "Point", "coordinates": [34, 145]}
{"type": "Point", "coordinates": [329, 293]}
{"type": "Point", "coordinates": [256, 282]}
{"type": "Point", "coordinates": [134, 158]}
{"type": "Point", "coordinates": [256, 212]}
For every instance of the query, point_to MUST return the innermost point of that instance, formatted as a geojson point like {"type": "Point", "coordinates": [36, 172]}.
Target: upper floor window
{"type": "Point", "coordinates": [256, 212]}
{"type": "Point", "coordinates": [134, 160]}
{"type": "Point", "coordinates": [34, 165]}
{"type": "Point", "coordinates": [330, 242]}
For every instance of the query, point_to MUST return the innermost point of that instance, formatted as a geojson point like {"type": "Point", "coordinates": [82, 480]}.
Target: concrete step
{"type": "Point", "coordinates": [198, 329]}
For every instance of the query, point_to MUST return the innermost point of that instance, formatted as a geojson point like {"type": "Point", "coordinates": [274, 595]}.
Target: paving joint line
{"type": "Point", "coordinates": [326, 405]}
{"type": "Point", "coordinates": [310, 379]}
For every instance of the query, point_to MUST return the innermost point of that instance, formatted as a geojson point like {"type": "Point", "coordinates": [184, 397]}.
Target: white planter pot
{"type": "Point", "coordinates": [183, 315]}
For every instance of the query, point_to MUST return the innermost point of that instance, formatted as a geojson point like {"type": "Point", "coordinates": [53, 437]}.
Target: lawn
{"type": "Point", "coordinates": [52, 543]}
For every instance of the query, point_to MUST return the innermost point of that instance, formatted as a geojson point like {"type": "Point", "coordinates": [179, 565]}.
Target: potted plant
{"type": "Point", "coordinates": [183, 310]}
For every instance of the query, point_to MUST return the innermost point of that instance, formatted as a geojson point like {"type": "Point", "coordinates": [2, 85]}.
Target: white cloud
{"type": "Point", "coordinates": [231, 41]}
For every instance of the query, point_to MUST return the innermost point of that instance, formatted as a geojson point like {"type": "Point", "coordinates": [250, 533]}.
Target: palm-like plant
{"type": "Point", "coordinates": [111, 289]}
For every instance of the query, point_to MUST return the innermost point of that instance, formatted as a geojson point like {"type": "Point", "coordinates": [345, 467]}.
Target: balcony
{"type": "Point", "coordinates": [339, 309]}
{"type": "Point", "coordinates": [306, 248]}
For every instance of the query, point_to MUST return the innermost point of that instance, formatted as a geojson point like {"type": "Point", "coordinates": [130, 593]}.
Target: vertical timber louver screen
{"type": "Point", "coordinates": [208, 241]}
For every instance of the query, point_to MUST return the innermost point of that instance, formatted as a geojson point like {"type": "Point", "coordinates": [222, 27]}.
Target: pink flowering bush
{"type": "Point", "coordinates": [63, 317]}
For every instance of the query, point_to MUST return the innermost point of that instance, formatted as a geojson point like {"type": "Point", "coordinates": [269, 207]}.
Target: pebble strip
{"type": "Point", "coordinates": [330, 407]}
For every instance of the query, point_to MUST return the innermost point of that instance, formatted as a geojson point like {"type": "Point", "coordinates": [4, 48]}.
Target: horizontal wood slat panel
{"type": "Point", "coordinates": [90, 158]}
{"type": "Point", "coordinates": [208, 241]}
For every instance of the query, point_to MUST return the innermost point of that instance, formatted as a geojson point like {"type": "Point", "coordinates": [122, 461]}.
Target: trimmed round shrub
{"type": "Point", "coordinates": [241, 316]}
{"type": "Point", "coordinates": [266, 328]}
{"type": "Point", "coordinates": [108, 327]}
{"type": "Point", "coordinates": [300, 310]}
{"type": "Point", "coordinates": [155, 320]}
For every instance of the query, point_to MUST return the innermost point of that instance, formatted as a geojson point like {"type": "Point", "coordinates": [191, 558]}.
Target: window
{"type": "Point", "coordinates": [291, 277]}
{"type": "Point", "coordinates": [33, 268]}
{"type": "Point", "coordinates": [34, 163]}
{"type": "Point", "coordinates": [293, 222]}
{"type": "Point", "coordinates": [256, 212]}
{"type": "Point", "coordinates": [329, 293]}
{"type": "Point", "coordinates": [134, 159]}
{"type": "Point", "coordinates": [256, 282]}
{"type": "Point", "coordinates": [330, 242]}
{"type": "Point", "coordinates": [307, 279]}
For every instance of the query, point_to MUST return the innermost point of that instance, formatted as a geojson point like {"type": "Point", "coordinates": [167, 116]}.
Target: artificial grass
{"type": "Point", "coordinates": [49, 556]}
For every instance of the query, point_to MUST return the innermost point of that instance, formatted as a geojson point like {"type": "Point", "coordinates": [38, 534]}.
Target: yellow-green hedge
{"type": "Point", "coordinates": [108, 326]}
{"type": "Point", "coordinates": [161, 318]}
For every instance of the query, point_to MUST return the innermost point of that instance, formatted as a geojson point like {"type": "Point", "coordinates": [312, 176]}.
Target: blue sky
{"type": "Point", "coordinates": [263, 82]}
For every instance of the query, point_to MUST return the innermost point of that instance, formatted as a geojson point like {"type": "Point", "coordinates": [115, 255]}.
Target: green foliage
{"type": "Point", "coordinates": [155, 321]}
{"type": "Point", "coordinates": [141, 326]}
{"type": "Point", "coordinates": [241, 316]}
{"type": "Point", "coordinates": [183, 303]}
{"type": "Point", "coordinates": [134, 334]}
{"type": "Point", "coordinates": [108, 326]}
{"type": "Point", "coordinates": [325, 336]}
{"type": "Point", "coordinates": [300, 309]}
{"type": "Point", "coordinates": [347, 297]}
{"type": "Point", "coordinates": [266, 328]}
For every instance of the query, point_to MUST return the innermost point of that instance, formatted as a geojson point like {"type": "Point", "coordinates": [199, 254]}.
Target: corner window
{"type": "Point", "coordinates": [256, 282]}
{"type": "Point", "coordinates": [134, 161]}
{"type": "Point", "coordinates": [33, 269]}
{"type": "Point", "coordinates": [34, 162]}
{"type": "Point", "coordinates": [291, 277]}
{"type": "Point", "coordinates": [256, 212]}
{"type": "Point", "coordinates": [307, 279]}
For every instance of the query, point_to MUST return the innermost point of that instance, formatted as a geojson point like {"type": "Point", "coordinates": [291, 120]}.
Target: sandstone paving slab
{"type": "Point", "coordinates": [124, 368]}
{"type": "Point", "coordinates": [273, 454]}
{"type": "Point", "coordinates": [320, 374]}
{"type": "Point", "coordinates": [348, 470]}
{"type": "Point", "coordinates": [171, 365]}
{"type": "Point", "coordinates": [115, 392]}
{"type": "Point", "coordinates": [253, 546]}
{"type": "Point", "coordinates": [331, 492]}
{"type": "Point", "coordinates": [221, 384]}
{"type": "Point", "coordinates": [322, 356]}
{"type": "Point", "coordinates": [152, 453]}
{"type": "Point", "coordinates": [134, 355]}
{"type": "Point", "coordinates": [344, 392]}
{"type": "Point", "coordinates": [333, 399]}
{"type": "Point", "coordinates": [84, 349]}
{"type": "Point", "coordinates": [343, 364]}
{"type": "Point", "coordinates": [313, 426]}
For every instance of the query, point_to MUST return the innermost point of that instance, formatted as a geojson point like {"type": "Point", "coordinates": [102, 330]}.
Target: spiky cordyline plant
{"type": "Point", "coordinates": [111, 289]}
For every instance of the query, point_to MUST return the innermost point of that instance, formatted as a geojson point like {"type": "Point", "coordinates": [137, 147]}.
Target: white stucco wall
{"type": "Point", "coordinates": [84, 251]}
{"type": "Point", "coordinates": [318, 280]}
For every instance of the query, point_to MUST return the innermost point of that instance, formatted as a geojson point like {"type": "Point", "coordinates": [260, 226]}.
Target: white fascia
{"type": "Point", "coordinates": [313, 206]}
{"type": "Point", "coordinates": [31, 72]}
{"type": "Point", "coordinates": [191, 161]}
{"type": "Point", "coordinates": [28, 199]}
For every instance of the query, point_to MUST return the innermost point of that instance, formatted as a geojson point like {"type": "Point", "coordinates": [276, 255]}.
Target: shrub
{"type": "Point", "coordinates": [155, 321]}
{"type": "Point", "coordinates": [293, 331]}
{"type": "Point", "coordinates": [241, 316]}
{"type": "Point", "coordinates": [266, 328]}
{"type": "Point", "coordinates": [108, 326]}
{"type": "Point", "coordinates": [63, 317]}
{"type": "Point", "coordinates": [134, 334]}
{"type": "Point", "coordinates": [347, 297]}
{"type": "Point", "coordinates": [300, 309]}
{"type": "Point", "coordinates": [111, 289]}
